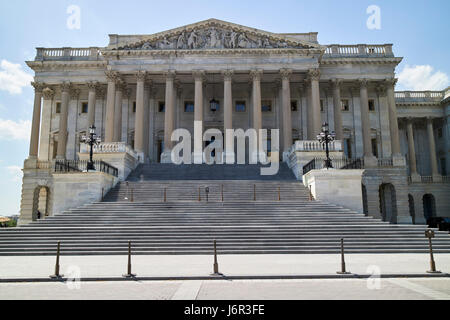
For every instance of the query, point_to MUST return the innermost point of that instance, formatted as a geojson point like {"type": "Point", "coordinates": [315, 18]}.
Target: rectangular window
{"type": "Point", "coordinates": [58, 107]}
{"type": "Point", "coordinates": [322, 108]}
{"type": "Point", "coordinates": [348, 148]}
{"type": "Point", "coordinates": [84, 107]}
{"type": "Point", "coordinates": [345, 106]}
{"type": "Point", "coordinates": [375, 147]}
{"type": "Point", "coordinates": [266, 106]}
{"type": "Point", "coordinates": [439, 132]}
{"type": "Point", "coordinates": [240, 106]}
{"type": "Point", "coordinates": [371, 105]}
{"type": "Point", "coordinates": [294, 106]}
{"type": "Point", "coordinates": [134, 106]}
{"type": "Point", "coordinates": [189, 106]}
{"type": "Point", "coordinates": [161, 106]}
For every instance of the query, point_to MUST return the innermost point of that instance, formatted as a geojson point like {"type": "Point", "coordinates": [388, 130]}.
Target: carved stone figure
{"type": "Point", "coordinates": [233, 38]}
{"type": "Point", "coordinates": [192, 40]}
{"type": "Point", "coordinates": [165, 44]}
{"type": "Point", "coordinates": [242, 41]}
{"type": "Point", "coordinates": [147, 46]}
{"type": "Point", "coordinates": [214, 40]}
{"type": "Point", "coordinates": [181, 43]}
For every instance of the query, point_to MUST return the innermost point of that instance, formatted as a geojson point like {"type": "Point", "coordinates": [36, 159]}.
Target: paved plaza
{"type": "Point", "coordinates": [328, 289]}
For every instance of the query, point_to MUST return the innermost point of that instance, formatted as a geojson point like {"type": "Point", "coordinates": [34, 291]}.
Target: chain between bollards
{"type": "Point", "coordinates": [129, 273]}
{"type": "Point", "coordinates": [58, 252]}
{"type": "Point", "coordinates": [343, 269]}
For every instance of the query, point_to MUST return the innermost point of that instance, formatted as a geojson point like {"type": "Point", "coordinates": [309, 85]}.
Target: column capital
{"type": "Point", "coordinates": [148, 85]}
{"type": "Point", "coordinates": [314, 74]}
{"type": "Point", "coordinates": [92, 85]}
{"type": "Point", "coordinates": [256, 75]}
{"type": "Point", "coordinates": [363, 83]}
{"type": "Point", "coordinates": [112, 75]}
{"type": "Point", "coordinates": [335, 83]}
{"type": "Point", "coordinates": [127, 92]}
{"type": "Point", "coordinates": [74, 94]}
{"type": "Point", "coordinates": [391, 82]}
{"type": "Point", "coordinates": [141, 76]}
{"type": "Point", "coordinates": [100, 91]}
{"type": "Point", "coordinates": [228, 75]}
{"type": "Point", "coordinates": [48, 93]}
{"type": "Point", "coordinates": [121, 86]}
{"type": "Point", "coordinates": [429, 120]}
{"type": "Point", "coordinates": [285, 74]}
{"type": "Point", "coordinates": [409, 120]}
{"type": "Point", "coordinates": [170, 75]}
{"type": "Point", "coordinates": [38, 86]}
{"type": "Point", "coordinates": [66, 87]}
{"type": "Point", "coordinates": [199, 75]}
{"type": "Point", "coordinates": [381, 90]}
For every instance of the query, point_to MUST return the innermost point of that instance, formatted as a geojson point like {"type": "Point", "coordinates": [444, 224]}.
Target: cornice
{"type": "Point", "coordinates": [60, 65]}
{"type": "Point", "coordinates": [337, 61]}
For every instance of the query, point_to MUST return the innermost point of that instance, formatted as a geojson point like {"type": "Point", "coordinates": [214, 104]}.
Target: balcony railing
{"type": "Point", "coordinates": [314, 145]}
{"type": "Point", "coordinates": [359, 50]}
{"type": "Point", "coordinates": [342, 164]}
{"type": "Point", "coordinates": [419, 96]}
{"type": "Point", "coordinates": [73, 166]}
{"type": "Point", "coordinates": [68, 54]}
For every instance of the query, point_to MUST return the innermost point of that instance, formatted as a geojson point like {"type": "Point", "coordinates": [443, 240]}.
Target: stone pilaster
{"type": "Point", "coordinates": [62, 134]}
{"type": "Point", "coordinates": [198, 117]}
{"type": "Point", "coordinates": [35, 126]}
{"type": "Point", "coordinates": [92, 86]}
{"type": "Point", "coordinates": [369, 158]}
{"type": "Point", "coordinates": [412, 151]}
{"type": "Point", "coordinates": [44, 144]}
{"type": "Point", "coordinates": [287, 117]}
{"type": "Point", "coordinates": [110, 105]}
{"type": "Point", "coordinates": [139, 115]}
{"type": "Point", "coordinates": [120, 89]}
{"type": "Point", "coordinates": [336, 87]}
{"type": "Point", "coordinates": [228, 115]}
{"type": "Point", "coordinates": [166, 157]}
{"type": "Point", "coordinates": [393, 121]}
{"type": "Point", "coordinates": [257, 115]}
{"type": "Point", "coordinates": [314, 77]}
{"type": "Point", "coordinates": [432, 145]}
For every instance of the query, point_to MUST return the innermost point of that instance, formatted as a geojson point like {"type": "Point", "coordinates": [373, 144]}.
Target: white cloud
{"type": "Point", "coordinates": [12, 130]}
{"type": "Point", "coordinates": [13, 78]}
{"type": "Point", "coordinates": [422, 77]}
{"type": "Point", "coordinates": [15, 173]}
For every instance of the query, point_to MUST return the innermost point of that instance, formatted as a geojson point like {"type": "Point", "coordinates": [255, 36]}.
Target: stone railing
{"type": "Point", "coordinates": [109, 147]}
{"type": "Point", "coordinates": [431, 96]}
{"type": "Point", "coordinates": [385, 162]}
{"type": "Point", "coordinates": [312, 145]}
{"type": "Point", "coordinates": [359, 50]}
{"type": "Point", "coordinates": [68, 54]}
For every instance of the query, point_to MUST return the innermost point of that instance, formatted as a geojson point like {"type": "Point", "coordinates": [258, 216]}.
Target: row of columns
{"type": "Point", "coordinates": [116, 87]}
{"type": "Point", "coordinates": [412, 150]}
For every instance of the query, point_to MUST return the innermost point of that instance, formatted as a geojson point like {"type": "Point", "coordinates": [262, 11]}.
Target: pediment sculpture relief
{"type": "Point", "coordinates": [212, 38]}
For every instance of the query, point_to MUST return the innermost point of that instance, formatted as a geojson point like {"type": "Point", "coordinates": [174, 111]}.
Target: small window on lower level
{"type": "Point", "coordinates": [240, 106]}
{"type": "Point", "coordinates": [84, 107]}
{"type": "Point", "coordinates": [134, 106]}
{"type": "Point", "coordinates": [58, 107]}
{"type": "Point", "coordinates": [322, 107]}
{"type": "Point", "coordinates": [162, 107]}
{"type": "Point", "coordinates": [371, 105]}
{"type": "Point", "coordinates": [439, 133]}
{"type": "Point", "coordinates": [189, 106]}
{"type": "Point", "coordinates": [266, 106]}
{"type": "Point", "coordinates": [294, 106]}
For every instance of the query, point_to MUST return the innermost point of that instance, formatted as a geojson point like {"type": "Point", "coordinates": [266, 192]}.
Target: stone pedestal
{"type": "Point", "coordinates": [416, 178]}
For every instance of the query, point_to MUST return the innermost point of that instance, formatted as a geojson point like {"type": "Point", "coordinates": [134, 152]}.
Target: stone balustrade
{"type": "Point", "coordinates": [365, 50]}
{"type": "Point", "coordinates": [68, 54]}
{"type": "Point", "coordinates": [312, 145]}
{"type": "Point", "coordinates": [404, 96]}
{"type": "Point", "coordinates": [109, 147]}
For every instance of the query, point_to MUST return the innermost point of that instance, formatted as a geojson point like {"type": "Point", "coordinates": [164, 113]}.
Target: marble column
{"type": "Point", "coordinates": [336, 87]}
{"type": "Point", "coordinates": [117, 136]}
{"type": "Point", "coordinates": [147, 93]}
{"type": "Point", "coordinates": [92, 99]}
{"type": "Point", "coordinates": [110, 105]}
{"type": "Point", "coordinates": [369, 158]}
{"type": "Point", "coordinates": [44, 143]}
{"type": "Point", "coordinates": [257, 113]}
{"type": "Point", "coordinates": [432, 146]}
{"type": "Point", "coordinates": [62, 134]}
{"type": "Point", "coordinates": [166, 157]}
{"type": "Point", "coordinates": [412, 151]}
{"type": "Point", "coordinates": [139, 115]}
{"type": "Point", "coordinates": [228, 115]}
{"type": "Point", "coordinates": [309, 113]}
{"type": "Point", "coordinates": [287, 118]}
{"type": "Point", "coordinates": [35, 126]}
{"type": "Point", "coordinates": [393, 121]}
{"type": "Point", "coordinates": [198, 117]}
{"type": "Point", "coordinates": [314, 77]}
{"type": "Point", "coordinates": [152, 112]}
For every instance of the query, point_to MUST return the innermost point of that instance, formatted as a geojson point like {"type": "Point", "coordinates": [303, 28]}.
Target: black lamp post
{"type": "Point", "coordinates": [91, 140]}
{"type": "Point", "coordinates": [326, 137]}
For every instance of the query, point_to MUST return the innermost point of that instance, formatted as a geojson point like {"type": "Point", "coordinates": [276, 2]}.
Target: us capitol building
{"type": "Point", "coordinates": [140, 88]}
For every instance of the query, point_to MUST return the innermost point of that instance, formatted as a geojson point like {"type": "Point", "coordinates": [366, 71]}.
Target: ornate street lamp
{"type": "Point", "coordinates": [91, 140]}
{"type": "Point", "coordinates": [325, 137]}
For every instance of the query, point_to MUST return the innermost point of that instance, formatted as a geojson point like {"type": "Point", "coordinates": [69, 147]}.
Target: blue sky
{"type": "Point", "coordinates": [418, 30]}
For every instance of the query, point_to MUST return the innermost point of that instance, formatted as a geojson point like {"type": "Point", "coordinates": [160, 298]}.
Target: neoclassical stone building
{"type": "Point", "coordinates": [140, 88]}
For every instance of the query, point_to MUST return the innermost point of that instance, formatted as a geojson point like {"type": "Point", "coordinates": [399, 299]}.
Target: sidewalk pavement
{"type": "Point", "coordinates": [275, 266]}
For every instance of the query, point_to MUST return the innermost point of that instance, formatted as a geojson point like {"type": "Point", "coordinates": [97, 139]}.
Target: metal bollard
{"type": "Point", "coordinates": [430, 234]}
{"type": "Point", "coordinates": [165, 195]}
{"type": "Point", "coordinates": [216, 264]}
{"type": "Point", "coordinates": [343, 270]}
{"type": "Point", "coordinates": [58, 251]}
{"type": "Point", "coordinates": [279, 194]}
{"type": "Point", "coordinates": [222, 193]}
{"type": "Point", "coordinates": [103, 193]}
{"type": "Point", "coordinates": [199, 196]}
{"type": "Point", "coordinates": [128, 190]}
{"type": "Point", "coordinates": [310, 195]}
{"type": "Point", "coordinates": [254, 192]}
{"type": "Point", "coordinates": [207, 194]}
{"type": "Point", "coordinates": [129, 274]}
{"type": "Point", "coordinates": [131, 196]}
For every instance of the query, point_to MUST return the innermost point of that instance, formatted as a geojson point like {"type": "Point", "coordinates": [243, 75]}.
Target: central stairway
{"type": "Point", "coordinates": [171, 213]}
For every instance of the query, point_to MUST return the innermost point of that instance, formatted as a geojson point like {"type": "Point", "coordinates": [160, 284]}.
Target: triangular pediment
{"type": "Point", "coordinates": [211, 34]}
